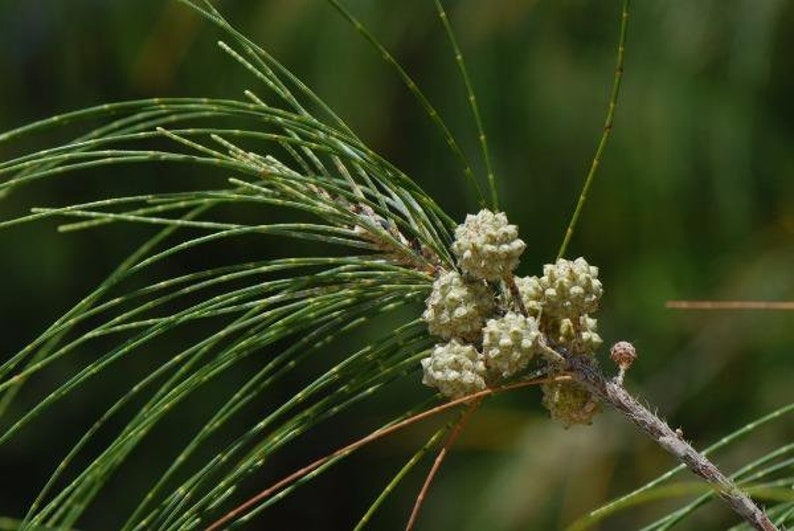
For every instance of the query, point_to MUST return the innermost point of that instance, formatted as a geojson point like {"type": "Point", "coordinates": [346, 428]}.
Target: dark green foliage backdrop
{"type": "Point", "coordinates": [694, 200]}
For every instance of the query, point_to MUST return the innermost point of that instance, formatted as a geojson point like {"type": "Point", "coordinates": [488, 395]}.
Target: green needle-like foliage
{"type": "Point", "coordinates": [377, 242]}
{"type": "Point", "coordinates": [291, 307]}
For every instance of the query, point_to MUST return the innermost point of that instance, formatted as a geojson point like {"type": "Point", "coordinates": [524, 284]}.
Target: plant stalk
{"type": "Point", "coordinates": [587, 372]}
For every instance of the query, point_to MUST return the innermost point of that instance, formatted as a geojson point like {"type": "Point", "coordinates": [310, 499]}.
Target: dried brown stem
{"type": "Point", "coordinates": [586, 371]}
{"type": "Point", "coordinates": [263, 495]}
{"type": "Point", "coordinates": [510, 280]}
{"type": "Point", "coordinates": [730, 305]}
{"type": "Point", "coordinates": [420, 498]}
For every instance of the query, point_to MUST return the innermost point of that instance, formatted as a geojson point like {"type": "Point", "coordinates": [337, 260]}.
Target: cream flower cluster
{"type": "Point", "coordinates": [455, 369]}
{"type": "Point", "coordinates": [569, 402]}
{"type": "Point", "coordinates": [509, 343]}
{"type": "Point", "coordinates": [570, 288]}
{"type": "Point", "coordinates": [487, 246]}
{"type": "Point", "coordinates": [457, 307]}
{"type": "Point", "coordinates": [490, 336]}
{"type": "Point", "coordinates": [563, 298]}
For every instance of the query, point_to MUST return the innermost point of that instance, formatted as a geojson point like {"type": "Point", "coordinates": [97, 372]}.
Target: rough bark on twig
{"type": "Point", "coordinates": [587, 372]}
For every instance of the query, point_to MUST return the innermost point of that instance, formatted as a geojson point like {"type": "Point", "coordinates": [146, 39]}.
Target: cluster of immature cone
{"type": "Point", "coordinates": [490, 336]}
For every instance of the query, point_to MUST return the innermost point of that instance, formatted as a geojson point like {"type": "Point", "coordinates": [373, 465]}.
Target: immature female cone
{"type": "Point", "coordinates": [509, 343]}
{"type": "Point", "coordinates": [487, 246]}
{"type": "Point", "coordinates": [457, 308]}
{"type": "Point", "coordinates": [569, 402]}
{"type": "Point", "coordinates": [455, 369]}
{"type": "Point", "coordinates": [570, 288]}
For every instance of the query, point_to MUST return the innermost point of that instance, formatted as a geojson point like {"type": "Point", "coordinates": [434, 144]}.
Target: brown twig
{"type": "Point", "coordinates": [510, 281]}
{"type": "Point", "coordinates": [453, 437]}
{"type": "Point", "coordinates": [730, 305]}
{"type": "Point", "coordinates": [586, 371]}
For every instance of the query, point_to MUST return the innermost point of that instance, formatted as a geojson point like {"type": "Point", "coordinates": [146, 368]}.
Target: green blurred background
{"type": "Point", "coordinates": [694, 200]}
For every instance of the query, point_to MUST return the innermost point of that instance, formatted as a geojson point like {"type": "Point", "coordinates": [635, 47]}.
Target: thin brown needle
{"type": "Point", "coordinates": [730, 305]}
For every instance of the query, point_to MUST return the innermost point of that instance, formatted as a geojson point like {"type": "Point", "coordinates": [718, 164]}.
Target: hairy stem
{"type": "Point", "coordinates": [586, 371]}
{"type": "Point", "coordinates": [510, 280]}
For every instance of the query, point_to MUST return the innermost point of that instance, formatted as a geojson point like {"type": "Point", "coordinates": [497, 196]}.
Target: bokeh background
{"type": "Point", "coordinates": [694, 200]}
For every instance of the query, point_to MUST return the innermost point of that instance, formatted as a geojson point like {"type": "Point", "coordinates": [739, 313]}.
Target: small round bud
{"type": "Point", "coordinates": [569, 402]}
{"type": "Point", "coordinates": [567, 332]}
{"type": "Point", "coordinates": [570, 288]}
{"type": "Point", "coordinates": [590, 339]}
{"type": "Point", "coordinates": [623, 354]}
{"type": "Point", "coordinates": [487, 246]}
{"type": "Point", "coordinates": [580, 335]}
{"type": "Point", "coordinates": [457, 308]}
{"type": "Point", "coordinates": [455, 369]}
{"type": "Point", "coordinates": [509, 343]}
{"type": "Point", "coordinates": [531, 294]}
